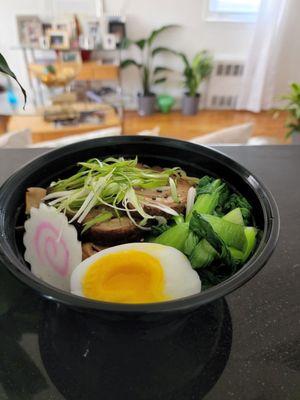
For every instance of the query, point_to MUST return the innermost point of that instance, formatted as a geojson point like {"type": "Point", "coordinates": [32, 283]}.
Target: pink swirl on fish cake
{"type": "Point", "coordinates": [48, 249]}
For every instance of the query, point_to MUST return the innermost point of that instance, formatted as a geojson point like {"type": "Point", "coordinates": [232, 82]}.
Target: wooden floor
{"type": "Point", "coordinates": [186, 127]}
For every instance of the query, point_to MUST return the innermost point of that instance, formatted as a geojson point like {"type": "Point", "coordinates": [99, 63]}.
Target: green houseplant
{"type": "Point", "coordinates": [150, 74]}
{"type": "Point", "coordinates": [195, 71]}
{"type": "Point", "coordinates": [4, 68]}
{"type": "Point", "coordinates": [293, 109]}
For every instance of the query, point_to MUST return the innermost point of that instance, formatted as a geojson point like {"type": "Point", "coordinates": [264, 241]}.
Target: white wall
{"type": "Point", "coordinates": [143, 16]}
{"type": "Point", "coordinates": [231, 39]}
{"type": "Point", "coordinates": [195, 33]}
{"type": "Point", "coordinates": [8, 32]}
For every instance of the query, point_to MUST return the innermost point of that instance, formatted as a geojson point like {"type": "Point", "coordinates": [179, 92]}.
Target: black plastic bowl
{"type": "Point", "coordinates": [196, 160]}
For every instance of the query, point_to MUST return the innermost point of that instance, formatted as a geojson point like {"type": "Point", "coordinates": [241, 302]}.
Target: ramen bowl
{"type": "Point", "coordinates": [194, 159]}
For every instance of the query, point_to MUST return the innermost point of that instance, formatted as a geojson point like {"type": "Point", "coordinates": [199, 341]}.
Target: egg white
{"type": "Point", "coordinates": [180, 280]}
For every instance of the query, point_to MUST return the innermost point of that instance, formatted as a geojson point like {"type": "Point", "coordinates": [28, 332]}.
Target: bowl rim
{"type": "Point", "coordinates": [266, 247]}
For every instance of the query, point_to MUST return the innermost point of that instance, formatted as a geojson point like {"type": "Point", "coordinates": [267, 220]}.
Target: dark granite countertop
{"type": "Point", "coordinates": [260, 353]}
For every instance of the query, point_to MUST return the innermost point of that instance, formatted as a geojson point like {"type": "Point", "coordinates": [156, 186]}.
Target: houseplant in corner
{"type": "Point", "coordinates": [150, 74]}
{"type": "Point", "coordinates": [194, 73]}
{"type": "Point", "coordinates": [293, 109]}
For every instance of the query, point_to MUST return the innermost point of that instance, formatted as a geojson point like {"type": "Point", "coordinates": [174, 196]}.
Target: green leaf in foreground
{"type": "Point", "coordinates": [4, 68]}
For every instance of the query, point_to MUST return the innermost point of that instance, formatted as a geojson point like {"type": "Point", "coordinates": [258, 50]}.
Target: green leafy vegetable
{"type": "Point", "coordinates": [251, 235]}
{"type": "Point", "coordinates": [208, 191]}
{"type": "Point", "coordinates": [174, 236]}
{"type": "Point", "coordinates": [242, 256]}
{"type": "Point", "coordinates": [203, 255]}
{"type": "Point", "coordinates": [204, 230]}
{"type": "Point", "coordinates": [235, 216]}
{"type": "Point", "coordinates": [231, 234]}
{"type": "Point", "coordinates": [190, 243]}
{"type": "Point", "coordinates": [239, 201]}
{"type": "Point", "coordinates": [157, 230]}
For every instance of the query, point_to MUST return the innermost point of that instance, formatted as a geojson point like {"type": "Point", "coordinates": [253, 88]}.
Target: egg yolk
{"type": "Point", "coordinates": [129, 276]}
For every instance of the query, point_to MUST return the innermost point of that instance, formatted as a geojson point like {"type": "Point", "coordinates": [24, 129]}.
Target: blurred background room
{"type": "Point", "coordinates": [207, 71]}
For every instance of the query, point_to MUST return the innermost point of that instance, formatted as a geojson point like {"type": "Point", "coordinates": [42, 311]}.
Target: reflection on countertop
{"type": "Point", "coordinates": [178, 359]}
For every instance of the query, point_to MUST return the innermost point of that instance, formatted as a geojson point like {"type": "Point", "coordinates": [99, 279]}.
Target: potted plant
{"type": "Point", "coordinates": [293, 109]}
{"type": "Point", "coordinates": [194, 73]}
{"type": "Point", "coordinates": [149, 74]}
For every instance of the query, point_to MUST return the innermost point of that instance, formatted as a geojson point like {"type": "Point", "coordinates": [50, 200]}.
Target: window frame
{"type": "Point", "coordinates": [218, 16]}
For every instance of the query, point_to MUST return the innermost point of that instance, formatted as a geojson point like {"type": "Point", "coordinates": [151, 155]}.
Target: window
{"type": "Point", "coordinates": [232, 10]}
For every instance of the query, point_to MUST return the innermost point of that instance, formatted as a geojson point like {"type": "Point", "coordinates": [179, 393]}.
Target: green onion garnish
{"type": "Point", "coordinates": [112, 183]}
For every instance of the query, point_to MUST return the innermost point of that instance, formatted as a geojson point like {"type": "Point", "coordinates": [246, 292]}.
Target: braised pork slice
{"type": "Point", "coordinates": [89, 249]}
{"type": "Point", "coordinates": [163, 196]}
{"type": "Point", "coordinates": [115, 231]}
{"type": "Point", "coordinates": [33, 197]}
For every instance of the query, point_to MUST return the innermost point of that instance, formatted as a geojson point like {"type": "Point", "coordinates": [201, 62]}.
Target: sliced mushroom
{"type": "Point", "coordinates": [33, 198]}
{"type": "Point", "coordinates": [89, 249]}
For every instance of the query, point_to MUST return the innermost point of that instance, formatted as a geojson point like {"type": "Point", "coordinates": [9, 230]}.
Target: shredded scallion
{"type": "Point", "coordinates": [112, 183]}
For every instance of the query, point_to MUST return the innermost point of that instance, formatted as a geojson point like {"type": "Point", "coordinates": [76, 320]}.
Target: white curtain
{"type": "Point", "coordinates": [259, 79]}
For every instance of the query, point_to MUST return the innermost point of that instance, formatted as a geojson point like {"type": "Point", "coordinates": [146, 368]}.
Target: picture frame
{"type": "Point", "coordinates": [109, 41]}
{"type": "Point", "coordinates": [58, 39]}
{"type": "Point", "coordinates": [91, 32]}
{"type": "Point", "coordinates": [65, 24]}
{"type": "Point", "coordinates": [70, 56]}
{"type": "Point", "coordinates": [117, 27]}
{"type": "Point", "coordinates": [29, 30]}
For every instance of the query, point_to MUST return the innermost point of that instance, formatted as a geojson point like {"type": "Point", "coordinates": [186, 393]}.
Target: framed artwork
{"type": "Point", "coordinates": [109, 41]}
{"type": "Point", "coordinates": [29, 30]}
{"type": "Point", "coordinates": [58, 39]}
{"type": "Point", "coordinates": [70, 56]}
{"type": "Point", "coordinates": [66, 25]}
{"type": "Point", "coordinates": [118, 28]}
{"type": "Point", "coordinates": [91, 32]}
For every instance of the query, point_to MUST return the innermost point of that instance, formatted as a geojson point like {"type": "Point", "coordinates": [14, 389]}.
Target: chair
{"type": "Point", "coordinates": [16, 139]}
{"type": "Point", "coordinates": [114, 131]}
{"type": "Point", "coordinates": [237, 134]}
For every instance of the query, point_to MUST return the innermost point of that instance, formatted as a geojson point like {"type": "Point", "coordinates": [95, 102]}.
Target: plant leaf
{"type": "Point", "coordinates": [140, 43]}
{"type": "Point", "coordinates": [159, 80]}
{"type": "Point", "coordinates": [184, 59]}
{"type": "Point", "coordinates": [161, 49]}
{"type": "Point", "coordinates": [145, 79]}
{"type": "Point", "coordinates": [125, 43]}
{"type": "Point", "coordinates": [157, 32]}
{"type": "Point", "coordinates": [159, 69]}
{"type": "Point", "coordinates": [128, 62]}
{"type": "Point", "coordinates": [4, 68]}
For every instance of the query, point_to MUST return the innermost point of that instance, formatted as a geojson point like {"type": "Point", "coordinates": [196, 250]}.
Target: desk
{"type": "Point", "coordinates": [43, 131]}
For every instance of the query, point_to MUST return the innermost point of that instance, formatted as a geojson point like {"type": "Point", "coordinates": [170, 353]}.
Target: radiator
{"type": "Point", "coordinates": [224, 83]}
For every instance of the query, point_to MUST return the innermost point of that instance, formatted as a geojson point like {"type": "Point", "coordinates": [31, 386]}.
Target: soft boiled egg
{"type": "Point", "coordinates": [135, 273]}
